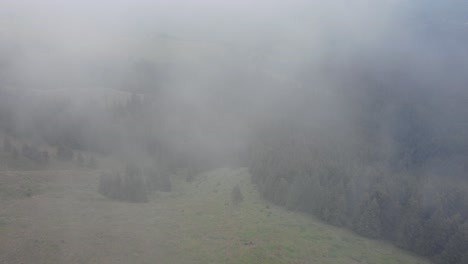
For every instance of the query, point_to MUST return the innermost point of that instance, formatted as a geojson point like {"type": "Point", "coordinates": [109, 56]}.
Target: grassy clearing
{"type": "Point", "coordinates": [69, 222]}
{"type": "Point", "coordinates": [215, 231]}
{"type": "Point", "coordinates": [16, 185]}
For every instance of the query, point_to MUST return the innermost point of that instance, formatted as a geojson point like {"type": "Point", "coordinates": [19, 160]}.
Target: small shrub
{"type": "Point", "coordinates": [236, 195]}
{"type": "Point", "coordinates": [80, 159]}
{"type": "Point", "coordinates": [92, 163]}
{"type": "Point", "coordinates": [111, 185]}
{"type": "Point", "coordinates": [45, 157]}
{"type": "Point", "coordinates": [190, 178]}
{"type": "Point", "coordinates": [64, 153]}
{"type": "Point", "coordinates": [134, 189]}
{"type": "Point", "coordinates": [34, 154]}
{"type": "Point", "coordinates": [159, 181]}
{"type": "Point", "coordinates": [14, 152]}
{"type": "Point", "coordinates": [165, 184]}
{"type": "Point", "coordinates": [7, 146]}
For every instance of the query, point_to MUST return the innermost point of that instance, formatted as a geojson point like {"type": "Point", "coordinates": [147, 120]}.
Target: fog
{"type": "Point", "coordinates": [212, 72]}
{"type": "Point", "coordinates": [366, 87]}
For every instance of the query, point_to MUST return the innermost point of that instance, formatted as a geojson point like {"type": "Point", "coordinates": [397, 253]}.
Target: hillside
{"type": "Point", "coordinates": [58, 217]}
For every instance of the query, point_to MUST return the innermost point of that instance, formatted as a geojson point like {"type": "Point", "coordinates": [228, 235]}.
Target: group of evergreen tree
{"type": "Point", "coordinates": [40, 157]}
{"type": "Point", "coordinates": [64, 153]}
{"type": "Point", "coordinates": [158, 180]}
{"type": "Point", "coordinates": [9, 147]}
{"type": "Point", "coordinates": [29, 152]}
{"type": "Point", "coordinates": [135, 105]}
{"type": "Point", "coordinates": [236, 195]}
{"type": "Point", "coordinates": [426, 215]}
{"type": "Point", "coordinates": [89, 162]}
{"type": "Point", "coordinates": [134, 184]}
{"type": "Point", "coordinates": [33, 153]}
{"type": "Point", "coordinates": [396, 193]}
{"type": "Point", "coordinates": [130, 187]}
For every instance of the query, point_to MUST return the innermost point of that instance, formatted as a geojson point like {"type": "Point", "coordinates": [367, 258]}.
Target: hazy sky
{"type": "Point", "coordinates": [230, 62]}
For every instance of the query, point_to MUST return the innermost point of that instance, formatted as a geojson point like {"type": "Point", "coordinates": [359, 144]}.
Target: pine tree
{"type": "Point", "coordinates": [80, 159]}
{"type": "Point", "coordinates": [236, 195]}
{"type": "Point", "coordinates": [64, 153]}
{"type": "Point", "coordinates": [92, 163]}
{"type": "Point", "coordinates": [7, 146]}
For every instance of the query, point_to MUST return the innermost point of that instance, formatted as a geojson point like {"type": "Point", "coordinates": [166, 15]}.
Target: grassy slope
{"type": "Point", "coordinates": [66, 221]}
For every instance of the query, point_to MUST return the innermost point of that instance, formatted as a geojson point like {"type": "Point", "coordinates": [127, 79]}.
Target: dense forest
{"type": "Point", "coordinates": [391, 165]}
{"type": "Point", "coordinates": [356, 115]}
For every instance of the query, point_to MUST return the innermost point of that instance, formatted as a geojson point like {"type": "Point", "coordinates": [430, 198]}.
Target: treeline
{"type": "Point", "coordinates": [28, 155]}
{"type": "Point", "coordinates": [393, 175]}
{"type": "Point", "coordinates": [133, 184]}
{"type": "Point", "coordinates": [33, 156]}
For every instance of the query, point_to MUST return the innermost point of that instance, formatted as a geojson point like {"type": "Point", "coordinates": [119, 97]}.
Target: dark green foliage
{"type": "Point", "coordinates": [7, 145]}
{"type": "Point", "coordinates": [456, 249]}
{"type": "Point", "coordinates": [131, 187]}
{"type": "Point", "coordinates": [14, 152]}
{"type": "Point", "coordinates": [80, 159]}
{"type": "Point", "coordinates": [45, 157]}
{"type": "Point", "coordinates": [33, 153]}
{"type": "Point", "coordinates": [10, 148]}
{"type": "Point", "coordinates": [425, 214]}
{"type": "Point", "coordinates": [190, 177]}
{"type": "Point", "coordinates": [111, 185]}
{"type": "Point", "coordinates": [236, 195]}
{"type": "Point", "coordinates": [132, 107]}
{"type": "Point", "coordinates": [92, 163]}
{"type": "Point", "coordinates": [368, 220]}
{"type": "Point", "coordinates": [64, 153]}
{"type": "Point", "coordinates": [158, 180]}
{"type": "Point", "coordinates": [298, 192]}
{"type": "Point", "coordinates": [164, 183]}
